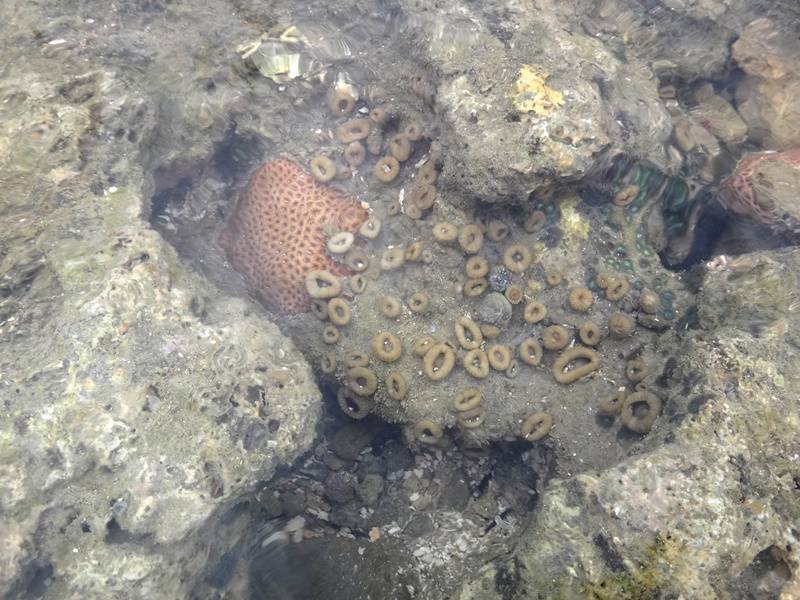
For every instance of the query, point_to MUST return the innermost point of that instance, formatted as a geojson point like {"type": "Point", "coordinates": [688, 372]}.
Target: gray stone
{"type": "Point", "coordinates": [495, 309]}
{"type": "Point", "coordinates": [369, 489]}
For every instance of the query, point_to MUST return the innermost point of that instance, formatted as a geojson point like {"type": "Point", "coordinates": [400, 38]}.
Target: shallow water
{"type": "Point", "coordinates": [620, 179]}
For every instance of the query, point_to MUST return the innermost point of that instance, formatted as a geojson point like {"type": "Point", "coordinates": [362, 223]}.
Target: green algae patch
{"type": "Point", "coordinates": [644, 582]}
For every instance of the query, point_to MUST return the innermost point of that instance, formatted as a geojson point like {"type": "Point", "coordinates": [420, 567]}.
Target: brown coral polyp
{"type": "Point", "coordinates": [470, 238]}
{"type": "Point", "coordinates": [476, 267]}
{"type": "Point", "coordinates": [396, 385]}
{"type": "Point", "coordinates": [323, 169]}
{"type": "Point", "coordinates": [499, 357]}
{"type": "Point", "coordinates": [438, 362]}
{"type": "Point", "coordinates": [428, 432]}
{"type": "Point", "coordinates": [386, 169]}
{"type": "Point", "coordinates": [338, 311]}
{"type": "Point", "coordinates": [534, 312]}
{"type": "Point", "coordinates": [476, 363]}
{"type": "Point", "coordinates": [561, 371]}
{"type": "Point", "coordinates": [356, 407]}
{"type": "Point", "coordinates": [468, 333]}
{"type": "Point", "coordinates": [580, 299]}
{"type": "Point", "coordinates": [555, 337]}
{"type": "Point", "coordinates": [387, 346]}
{"type": "Point", "coordinates": [353, 130]}
{"type": "Point", "coordinates": [389, 306]}
{"type": "Point", "coordinates": [536, 426]}
{"type": "Point", "coordinates": [516, 258]}
{"type": "Point", "coordinates": [467, 399]}
{"type": "Point", "coordinates": [640, 411]}
{"type": "Point", "coordinates": [620, 325]}
{"type": "Point", "coordinates": [530, 351]}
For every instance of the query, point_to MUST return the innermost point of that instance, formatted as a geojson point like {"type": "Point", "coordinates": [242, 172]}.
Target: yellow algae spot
{"type": "Point", "coordinates": [573, 227]}
{"type": "Point", "coordinates": [118, 376]}
{"type": "Point", "coordinates": [374, 534]}
{"type": "Point", "coordinates": [532, 95]}
{"type": "Point", "coordinates": [88, 385]}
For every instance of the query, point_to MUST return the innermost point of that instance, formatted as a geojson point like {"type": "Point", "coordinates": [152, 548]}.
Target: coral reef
{"type": "Point", "coordinates": [276, 233]}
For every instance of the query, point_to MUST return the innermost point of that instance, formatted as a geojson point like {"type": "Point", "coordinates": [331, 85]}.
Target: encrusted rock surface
{"type": "Point", "coordinates": [138, 404]}
{"type": "Point", "coordinates": [712, 512]}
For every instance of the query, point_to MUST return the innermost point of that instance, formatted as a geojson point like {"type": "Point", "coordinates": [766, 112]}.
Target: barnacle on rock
{"type": "Point", "coordinates": [396, 385]}
{"type": "Point", "coordinates": [386, 169]}
{"type": "Point", "coordinates": [534, 222]}
{"type": "Point", "coordinates": [476, 363]}
{"type": "Point", "coordinates": [438, 361]}
{"type": "Point", "coordinates": [362, 381]}
{"type": "Point", "coordinates": [649, 302]}
{"type": "Point", "coordinates": [400, 147]}
{"type": "Point", "coordinates": [576, 353]}
{"type": "Point", "coordinates": [354, 154]}
{"type": "Point", "coordinates": [356, 358]}
{"type": "Point", "coordinates": [339, 243]}
{"type": "Point", "coordinates": [428, 432]}
{"type": "Point", "coordinates": [555, 337]}
{"type": "Point", "coordinates": [516, 258]}
{"type": "Point", "coordinates": [475, 287]}
{"type": "Point", "coordinates": [468, 333]}
{"type": "Point", "coordinates": [640, 410]}
{"type": "Point", "coordinates": [370, 228]}
{"type": "Point", "coordinates": [422, 345]}
{"type": "Point", "coordinates": [534, 312]}
{"type": "Point", "coordinates": [530, 351]}
{"type": "Point", "coordinates": [327, 362]}
{"type": "Point", "coordinates": [389, 306]}
{"type": "Point", "coordinates": [536, 426]}
{"type": "Point", "coordinates": [353, 130]}
{"type": "Point", "coordinates": [358, 283]}
{"type": "Point", "coordinates": [338, 311]}
{"type": "Point", "coordinates": [470, 419]}
{"type": "Point", "coordinates": [476, 267]}
{"type": "Point", "coordinates": [580, 299]}
{"type": "Point", "coordinates": [444, 232]}
{"type": "Point", "coordinates": [590, 334]}
{"type": "Point", "coordinates": [499, 357]}
{"type": "Point", "coordinates": [617, 288]}
{"type": "Point", "coordinates": [323, 169]}
{"type": "Point", "coordinates": [387, 346]}
{"type": "Point", "coordinates": [467, 399]}
{"type": "Point", "coordinates": [356, 260]}
{"type": "Point", "coordinates": [636, 370]}
{"type": "Point", "coordinates": [620, 325]}
{"type": "Point", "coordinates": [341, 100]}
{"type": "Point", "coordinates": [514, 294]}
{"type": "Point", "coordinates": [393, 258]}
{"type": "Point", "coordinates": [322, 284]}
{"type": "Point", "coordinates": [612, 405]}
{"type": "Point", "coordinates": [418, 302]}
{"type": "Point", "coordinates": [470, 238]}
{"type": "Point", "coordinates": [496, 230]}
{"type": "Point", "coordinates": [356, 407]}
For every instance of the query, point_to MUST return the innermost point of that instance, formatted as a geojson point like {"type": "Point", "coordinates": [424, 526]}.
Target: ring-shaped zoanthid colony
{"type": "Point", "coordinates": [477, 326]}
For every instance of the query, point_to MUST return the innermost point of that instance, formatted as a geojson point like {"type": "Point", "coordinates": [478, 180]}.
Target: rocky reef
{"type": "Point", "coordinates": [433, 300]}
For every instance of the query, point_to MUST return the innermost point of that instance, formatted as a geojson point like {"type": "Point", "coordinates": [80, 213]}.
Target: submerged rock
{"type": "Point", "coordinates": [693, 517]}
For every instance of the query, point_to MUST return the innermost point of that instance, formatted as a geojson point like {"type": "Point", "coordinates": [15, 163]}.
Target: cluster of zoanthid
{"type": "Point", "coordinates": [401, 360]}
{"type": "Point", "coordinates": [378, 132]}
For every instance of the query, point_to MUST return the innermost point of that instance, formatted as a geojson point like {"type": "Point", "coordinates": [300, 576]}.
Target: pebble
{"type": "Point", "coordinates": [495, 309]}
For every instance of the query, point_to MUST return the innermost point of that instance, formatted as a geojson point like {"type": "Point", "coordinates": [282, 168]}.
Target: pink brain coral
{"type": "Point", "coordinates": [275, 234]}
